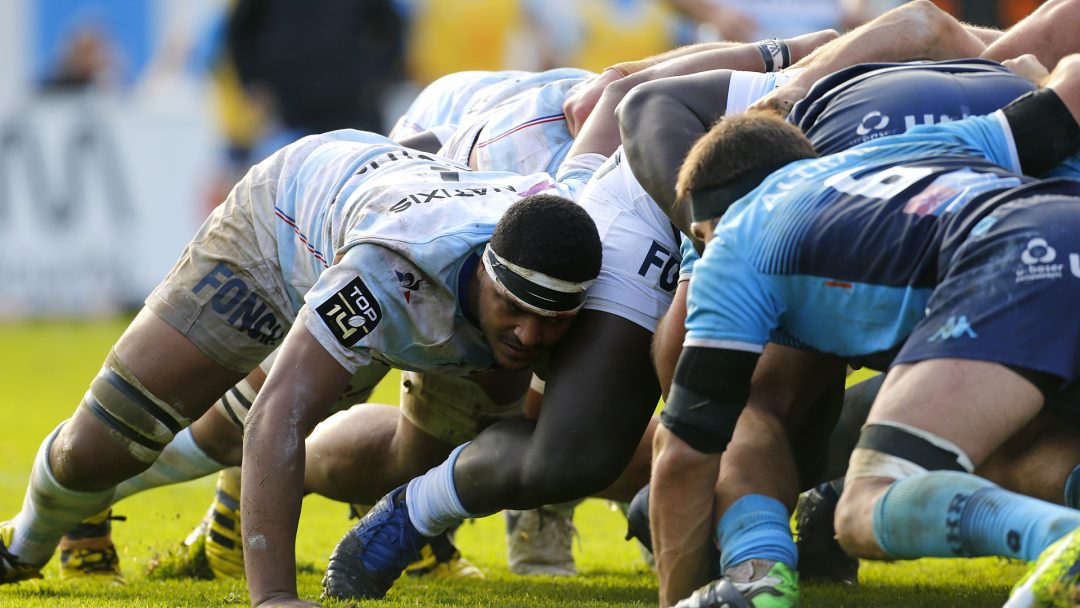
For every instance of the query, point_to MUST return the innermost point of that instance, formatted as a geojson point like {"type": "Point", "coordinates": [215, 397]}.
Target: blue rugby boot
{"type": "Point", "coordinates": [374, 552]}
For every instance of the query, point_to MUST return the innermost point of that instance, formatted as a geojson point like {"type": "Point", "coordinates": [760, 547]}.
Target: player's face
{"type": "Point", "coordinates": [516, 337]}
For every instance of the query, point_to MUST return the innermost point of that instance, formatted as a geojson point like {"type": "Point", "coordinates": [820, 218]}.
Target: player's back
{"type": "Point", "coordinates": [846, 248]}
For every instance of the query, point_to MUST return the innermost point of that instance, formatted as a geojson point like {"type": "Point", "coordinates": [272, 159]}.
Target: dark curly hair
{"type": "Point", "coordinates": [549, 234]}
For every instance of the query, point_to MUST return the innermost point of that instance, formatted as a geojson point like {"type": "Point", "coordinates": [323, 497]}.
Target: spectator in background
{"type": "Point", "coordinates": [317, 66]}
{"type": "Point", "coordinates": [86, 60]}
{"type": "Point", "coordinates": [595, 34]}
{"type": "Point", "coordinates": [749, 20]}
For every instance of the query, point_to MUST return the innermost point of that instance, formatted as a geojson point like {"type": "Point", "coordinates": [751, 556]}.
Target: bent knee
{"type": "Point", "coordinates": [854, 520]}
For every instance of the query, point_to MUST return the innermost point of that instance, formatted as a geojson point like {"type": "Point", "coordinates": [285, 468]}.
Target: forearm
{"type": "Point", "coordinates": [1049, 33]}
{"type": "Point", "coordinates": [273, 478]}
{"type": "Point", "coordinates": [917, 30]}
{"type": "Point", "coordinates": [986, 35]}
{"type": "Point", "coordinates": [680, 515]}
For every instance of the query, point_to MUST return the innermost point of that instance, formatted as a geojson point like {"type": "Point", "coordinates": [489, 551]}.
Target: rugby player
{"type": "Point", "coordinates": [952, 199]}
{"type": "Point", "coordinates": [491, 106]}
{"type": "Point", "coordinates": [265, 258]}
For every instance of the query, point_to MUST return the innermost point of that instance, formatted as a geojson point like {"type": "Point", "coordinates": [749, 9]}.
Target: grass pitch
{"type": "Point", "coordinates": [46, 366]}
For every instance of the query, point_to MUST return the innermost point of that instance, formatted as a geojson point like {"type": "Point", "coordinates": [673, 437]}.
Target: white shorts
{"type": "Point", "coordinates": [641, 247]}
{"type": "Point", "coordinates": [746, 88]}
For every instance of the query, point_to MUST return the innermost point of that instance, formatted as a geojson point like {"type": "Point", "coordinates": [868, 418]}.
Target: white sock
{"type": "Point", "coordinates": [182, 460]}
{"type": "Point", "coordinates": [433, 501]}
{"type": "Point", "coordinates": [49, 510]}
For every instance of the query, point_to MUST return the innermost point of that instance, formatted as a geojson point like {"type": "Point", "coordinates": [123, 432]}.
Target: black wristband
{"type": "Point", "coordinates": [1043, 130]}
{"type": "Point", "coordinates": [775, 53]}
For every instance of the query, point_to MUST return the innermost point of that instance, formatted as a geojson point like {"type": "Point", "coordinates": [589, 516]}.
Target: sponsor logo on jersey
{"type": "Point", "coordinates": [422, 198]}
{"type": "Point", "coordinates": [874, 124]}
{"type": "Point", "coordinates": [955, 327]}
{"type": "Point", "coordinates": [234, 300]}
{"type": "Point", "coordinates": [409, 282]}
{"type": "Point", "coordinates": [1038, 258]}
{"type": "Point", "coordinates": [666, 262]}
{"type": "Point", "coordinates": [351, 313]}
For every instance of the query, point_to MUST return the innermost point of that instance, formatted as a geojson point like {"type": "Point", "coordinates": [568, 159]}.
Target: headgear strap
{"type": "Point", "coordinates": [714, 201]}
{"type": "Point", "coordinates": [535, 291]}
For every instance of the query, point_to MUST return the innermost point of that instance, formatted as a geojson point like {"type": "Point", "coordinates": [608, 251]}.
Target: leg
{"type": "Point", "coordinates": [986, 403]}
{"type": "Point", "coordinates": [79, 466]}
{"type": "Point", "coordinates": [360, 454]}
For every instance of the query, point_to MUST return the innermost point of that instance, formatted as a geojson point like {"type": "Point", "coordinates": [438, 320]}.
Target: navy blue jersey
{"type": "Point", "coordinates": [841, 253]}
{"type": "Point", "coordinates": [873, 100]}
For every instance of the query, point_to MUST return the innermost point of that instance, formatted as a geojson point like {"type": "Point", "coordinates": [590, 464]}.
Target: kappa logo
{"type": "Point", "coordinates": [1038, 258]}
{"type": "Point", "coordinates": [408, 282]}
{"type": "Point", "coordinates": [955, 327]}
{"type": "Point", "coordinates": [351, 313]}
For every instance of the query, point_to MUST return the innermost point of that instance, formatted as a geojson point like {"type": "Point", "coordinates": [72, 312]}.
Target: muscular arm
{"type": "Point", "coordinates": [302, 386]}
{"type": "Point", "coordinates": [600, 393]}
{"type": "Point", "coordinates": [916, 30]}
{"type": "Point", "coordinates": [1049, 33]}
{"type": "Point", "coordinates": [613, 84]}
{"type": "Point", "coordinates": [709, 391]}
{"type": "Point", "coordinates": [660, 121]}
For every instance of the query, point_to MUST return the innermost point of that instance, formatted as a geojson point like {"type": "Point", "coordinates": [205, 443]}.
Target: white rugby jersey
{"type": "Point", "coordinates": [518, 125]}
{"type": "Point", "coordinates": [405, 228]}
{"type": "Point", "coordinates": [445, 101]}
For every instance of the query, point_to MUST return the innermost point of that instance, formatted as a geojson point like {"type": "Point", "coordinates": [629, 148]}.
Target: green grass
{"type": "Point", "coordinates": [46, 367]}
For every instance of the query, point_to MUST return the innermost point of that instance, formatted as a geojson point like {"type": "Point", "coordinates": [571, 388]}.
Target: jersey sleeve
{"type": "Point", "coordinates": [352, 309]}
{"type": "Point", "coordinates": [731, 305]}
{"type": "Point", "coordinates": [575, 172]}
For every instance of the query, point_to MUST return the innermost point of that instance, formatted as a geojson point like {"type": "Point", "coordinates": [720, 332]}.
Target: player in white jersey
{"type": "Point", "coordinates": [381, 254]}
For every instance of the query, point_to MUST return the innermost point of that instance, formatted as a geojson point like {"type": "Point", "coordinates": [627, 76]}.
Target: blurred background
{"type": "Point", "coordinates": [124, 122]}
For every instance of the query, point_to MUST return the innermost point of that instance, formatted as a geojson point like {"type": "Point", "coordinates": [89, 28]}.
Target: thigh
{"type": "Point", "coordinates": [454, 409]}
{"type": "Point", "coordinates": [976, 405]}
{"type": "Point", "coordinates": [226, 295]}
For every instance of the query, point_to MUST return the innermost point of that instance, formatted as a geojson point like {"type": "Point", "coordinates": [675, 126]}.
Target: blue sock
{"type": "Point", "coordinates": [756, 527]}
{"type": "Point", "coordinates": [1072, 489]}
{"type": "Point", "coordinates": [950, 514]}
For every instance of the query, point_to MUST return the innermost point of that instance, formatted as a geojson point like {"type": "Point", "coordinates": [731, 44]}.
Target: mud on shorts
{"type": "Point", "coordinates": [226, 294]}
{"type": "Point", "coordinates": [1010, 291]}
{"type": "Point", "coordinates": [451, 408]}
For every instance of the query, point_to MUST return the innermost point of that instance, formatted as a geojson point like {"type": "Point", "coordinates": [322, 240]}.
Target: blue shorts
{"type": "Point", "coordinates": [872, 100]}
{"type": "Point", "coordinates": [1010, 291]}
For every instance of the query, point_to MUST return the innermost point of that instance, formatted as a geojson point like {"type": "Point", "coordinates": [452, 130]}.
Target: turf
{"type": "Point", "coordinates": [46, 367]}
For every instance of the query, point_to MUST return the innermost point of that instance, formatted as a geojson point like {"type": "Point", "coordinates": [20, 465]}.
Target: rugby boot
{"type": "Point", "coordinates": [88, 552]}
{"type": "Point", "coordinates": [441, 559]}
{"type": "Point", "coordinates": [375, 551]}
{"type": "Point", "coordinates": [438, 559]}
{"type": "Point", "coordinates": [1054, 580]}
{"type": "Point", "coordinates": [820, 555]}
{"type": "Point", "coordinates": [224, 547]}
{"type": "Point", "coordinates": [540, 541]}
{"type": "Point", "coordinates": [744, 586]}
{"type": "Point", "coordinates": [11, 569]}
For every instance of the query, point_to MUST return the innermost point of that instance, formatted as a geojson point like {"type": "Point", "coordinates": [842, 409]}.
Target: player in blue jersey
{"type": "Point", "coordinates": [856, 256]}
